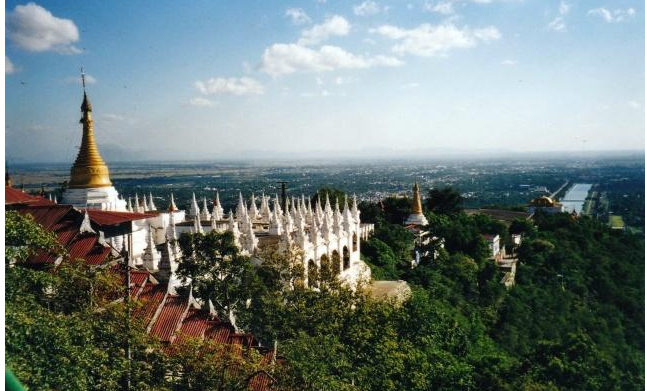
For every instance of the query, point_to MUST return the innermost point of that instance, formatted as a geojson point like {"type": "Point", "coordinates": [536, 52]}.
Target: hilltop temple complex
{"type": "Point", "coordinates": [319, 231]}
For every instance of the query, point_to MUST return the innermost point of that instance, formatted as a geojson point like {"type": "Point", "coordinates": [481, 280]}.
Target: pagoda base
{"type": "Point", "coordinates": [103, 198]}
{"type": "Point", "coordinates": [416, 219]}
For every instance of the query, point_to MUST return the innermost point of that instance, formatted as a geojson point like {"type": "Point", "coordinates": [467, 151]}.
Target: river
{"type": "Point", "coordinates": [575, 197]}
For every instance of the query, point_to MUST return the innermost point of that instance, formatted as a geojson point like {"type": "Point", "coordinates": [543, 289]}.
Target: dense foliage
{"type": "Point", "coordinates": [573, 321]}
{"type": "Point", "coordinates": [64, 330]}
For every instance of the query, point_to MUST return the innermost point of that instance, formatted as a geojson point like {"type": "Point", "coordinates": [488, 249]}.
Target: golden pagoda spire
{"type": "Point", "coordinates": [416, 206]}
{"type": "Point", "coordinates": [89, 169]}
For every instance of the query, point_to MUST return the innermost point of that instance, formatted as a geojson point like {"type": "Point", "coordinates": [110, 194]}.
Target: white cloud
{"type": "Point", "coordinates": [201, 102]}
{"type": "Point", "coordinates": [558, 24]}
{"type": "Point", "coordinates": [281, 59]}
{"type": "Point", "coordinates": [634, 104]}
{"type": "Point", "coordinates": [616, 16]}
{"type": "Point", "coordinates": [89, 79]}
{"type": "Point", "coordinates": [427, 40]}
{"type": "Point", "coordinates": [563, 8]}
{"type": "Point", "coordinates": [409, 86]}
{"type": "Point", "coordinates": [367, 8]}
{"type": "Point", "coordinates": [333, 26]}
{"type": "Point", "coordinates": [509, 62]}
{"type": "Point", "coordinates": [344, 80]}
{"type": "Point", "coordinates": [443, 7]}
{"type": "Point", "coordinates": [231, 85]}
{"type": "Point", "coordinates": [298, 16]}
{"type": "Point", "coordinates": [9, 68]}
{"type": "Point", "coordinates": [33, 28]}
{"type": "Point", "coordinates": [113, 117]}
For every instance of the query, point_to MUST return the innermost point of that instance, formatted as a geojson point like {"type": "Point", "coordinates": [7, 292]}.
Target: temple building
{"type": "Point", "coordinates": [545, 204]}
{"type": "Point", "coordinates": [323, 234]}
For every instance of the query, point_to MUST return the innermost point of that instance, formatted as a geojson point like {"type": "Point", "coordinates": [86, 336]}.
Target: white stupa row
{"type": "Point", "coordinates": [319, 232]}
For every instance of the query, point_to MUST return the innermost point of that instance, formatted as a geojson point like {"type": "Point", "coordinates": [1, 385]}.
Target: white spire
{"type": "Point", "coordinates": [276, 226]}
{"type": "Point", "coordinates": [86, 227]}
{"type": "Point", "coordinates": [145, 204]}
{"type": "Point", "coordinates": [49, 196]}
{"type": "Point", "coordinates": [138, 207]}
{"type": "Point", "coordinates": [233, 227]}
{"type": "Point", "coordinates": [194, 210]}
{"type": "Point", "coordinates": [286, 241]}
{"type": "Point", "coordinates": [240, 208]}
{"type": "Point", "coordinates": [277, 205]}
{"type": "Point", "coordinates": [151, 205]}
{"type": "Point", "coordinates": [318, 209]}
{"type": "Point", "coordinates": [130, 206]}
{"type": "Point", "coordinates": [327, 208]}
{"type": "Point", "coordinates": [204, 213]}
{"type": "Point", "coordinates": [336, 219]}
{"type": "Point", "coordinates": [325, 229]}
{"type": "Point", "coordinates": [252, 211]}
{"type": "Point", "coordinates": [309, 214]}
{"type": "Point", "coordinates": [151, 256]}
{"type": "Point", "coordinates": [347, 215]}
{"type": "Point", "coordinates": [289, 223]}
{"type": "Point", "coordinates": [266, 213]}
{"type": "Point", "coordinates": [249, 240]}
{"type": "Point", "coordinates": [355, 210]}
{"type": "Point", "coordinates": [171, 233]}
{"type": "Point", "coordinates": [197, 224]}
{"type": "Point", "coordinates": [314, 234]}
{"type": "Point", "coordinates": [293, 210]}
{"type": "Point", "coordinates": [214, 219]}
{"type": "Point", "coordinates": [172, 207]}
{"type": "Point", "coordinates": [217, 210]}
{"type": "Point", "coordinates": [55, 200]}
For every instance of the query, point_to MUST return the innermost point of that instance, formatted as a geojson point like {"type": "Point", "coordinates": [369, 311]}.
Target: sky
{"type": "Point", "coordinates": [238, 79]}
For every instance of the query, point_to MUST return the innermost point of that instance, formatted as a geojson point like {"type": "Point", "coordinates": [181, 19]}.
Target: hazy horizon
{"type": "Point", "coordinates": [275, 157]}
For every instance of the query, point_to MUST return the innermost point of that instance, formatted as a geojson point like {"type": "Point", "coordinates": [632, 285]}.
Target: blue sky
{"type": "Point", "coordinates": [224, 79]}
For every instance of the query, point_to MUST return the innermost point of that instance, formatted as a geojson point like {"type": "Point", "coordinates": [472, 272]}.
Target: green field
{"type": "Point", "coordinates": [616, 222]}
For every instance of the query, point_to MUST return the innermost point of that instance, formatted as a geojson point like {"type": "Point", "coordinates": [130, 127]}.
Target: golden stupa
{"type": "Point", "coordinates": [89, 169]}
{"type": "Point", "coordinates": [416, 206]}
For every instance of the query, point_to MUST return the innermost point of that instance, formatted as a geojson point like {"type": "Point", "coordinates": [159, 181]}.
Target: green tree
{"type": "Point", "coordinates": [444, 201]}
{"type": "Point", "coordinates": [335, 195]}
{"type": "Point", "coordinates": [218, 272]}
{"type": "Point", "coordinates": [63, 327]}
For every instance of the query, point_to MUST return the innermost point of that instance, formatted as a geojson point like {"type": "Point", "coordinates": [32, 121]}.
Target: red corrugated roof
{"type": "Point", "coordinates": [261, 381]}
{"type": "Point", "coordinates": [15, 196]}
{"type": "Point", "coordinates": [150, 299]}
{"type": "Point", "coordinates": [170, 317]}
{"type": "Point", "coordinates": [194, 325]}
{"type": "Point", "coordinates": [219, 333]}
{"type": "Point", "coordinates": [87, 247]}
{"type": "Point", "coordinates": [107, 217]}
{"type": "Point", "coordinates": [47, 215]}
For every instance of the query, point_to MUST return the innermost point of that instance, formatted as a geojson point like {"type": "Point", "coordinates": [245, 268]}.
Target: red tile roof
{"type": "Point", "coordinates": [64, 222]}
{"type": "Point", "coordinates": [219, 333]}
{"type": "Point", "coordinates": [107, 217]}
{"type": "Point", "coordinates": [15, 196]}
{"type": "Point", "coordinates": [47, 215]}
{"type": "Point", "coordinates": [150, 298]}
{"type": "Point", "coordinates": [194, 325]}
{"type": "Point", "coordinates": [170, 317]}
